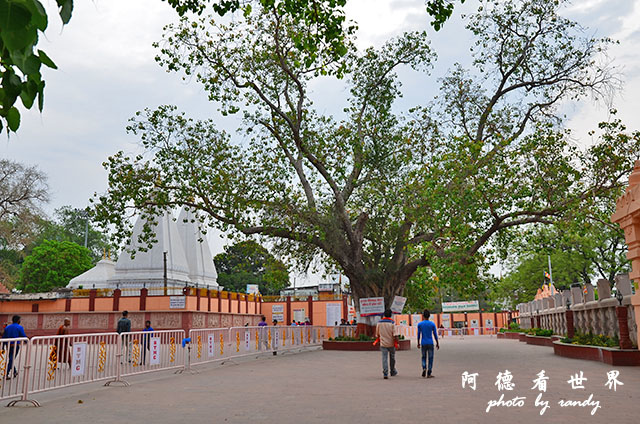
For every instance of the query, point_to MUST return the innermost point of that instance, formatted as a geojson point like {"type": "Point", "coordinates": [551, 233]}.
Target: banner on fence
{"type": "Point", "coordinates": [79, 359]}
{"type": "Point", "coordinates": [211, 346]}
{"type": "Point", "coordinates": [155, 351]}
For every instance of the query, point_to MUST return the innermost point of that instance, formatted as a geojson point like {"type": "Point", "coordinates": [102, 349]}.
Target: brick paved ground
{"type": "Point", "coordinates": [347, 387]}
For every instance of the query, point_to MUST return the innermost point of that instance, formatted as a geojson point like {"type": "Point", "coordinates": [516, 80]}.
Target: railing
{"type": "Point", "coordinates": [412, 331]}
{"type": "Point", "coordinates": [52, 362]}
{"type": "Point", "coordinates": [12, 382]}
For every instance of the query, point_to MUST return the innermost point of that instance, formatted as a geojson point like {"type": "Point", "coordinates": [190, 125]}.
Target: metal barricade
{"type": "Point", "coordinates": [14, 355]}
{"type": "Point", "coordinates": [61, 361]}
{"type": "Point", "coordinates": [209, 344]}
{"type": "Point", "coordinates": [147, 351]}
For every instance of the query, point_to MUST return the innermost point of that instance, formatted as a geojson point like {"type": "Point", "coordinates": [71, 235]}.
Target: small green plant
{"type": "Point", "coordinates": [541, 332]}
{"type": "Point", "coordinates": [514, 326]}
{"type": "Point", "coordinates": [592, 340]}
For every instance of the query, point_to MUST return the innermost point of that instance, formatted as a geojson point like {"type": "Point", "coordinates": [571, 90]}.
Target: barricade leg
{"type": "Point", "coordinates": [25, 384]}
{"type": "Point", "coordinates": [118, 378]}
{"type": "Point", "coordinates": [187, 363]}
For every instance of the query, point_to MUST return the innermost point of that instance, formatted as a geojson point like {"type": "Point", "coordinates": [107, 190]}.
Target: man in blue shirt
{"type": "Point", "coordinates": [13, 331]}
{"type": "Point", "coordinates": [426, 329]}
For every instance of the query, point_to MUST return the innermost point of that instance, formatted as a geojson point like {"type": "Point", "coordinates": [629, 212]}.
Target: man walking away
{"type": "Point", "coordinates": [146, 340]}
{"type": "Point", "coordinates": [12, 331]}
{"type": "Point", "coordinates": [124, 326]}
{"type": "Point", "coordinates": [426, 329]}
{"type": "Point", "coordinates": [385, 333]}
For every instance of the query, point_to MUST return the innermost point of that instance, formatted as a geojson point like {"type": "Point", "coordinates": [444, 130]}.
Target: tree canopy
{"type": "Point", "coordinates": [247, 262]}
{"type": "Point", "coordinates": [52, 265]}
{"type": "Point", "coordinates": [378, 192]}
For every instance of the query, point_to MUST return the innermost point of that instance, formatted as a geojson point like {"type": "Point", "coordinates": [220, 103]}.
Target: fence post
{"type": "Point", "coordinates": [25, 383]}
{"type": "Point", "coordinates": [118, 378]}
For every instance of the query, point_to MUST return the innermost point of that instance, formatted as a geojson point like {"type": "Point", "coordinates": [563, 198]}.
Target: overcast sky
{"type": "Point", "coordinates": [107, 72]}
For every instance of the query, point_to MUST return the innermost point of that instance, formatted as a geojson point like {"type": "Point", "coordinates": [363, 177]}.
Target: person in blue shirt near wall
{"type": "Point", "coordinates": [426, 329]}
{"type": "Point", "coordinates": [13, 331]}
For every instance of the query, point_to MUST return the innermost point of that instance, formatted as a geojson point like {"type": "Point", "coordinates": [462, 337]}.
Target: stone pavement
{"type": "Point", "coordinates": [347, 387]}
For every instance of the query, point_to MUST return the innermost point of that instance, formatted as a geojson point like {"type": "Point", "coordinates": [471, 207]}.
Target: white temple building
{"type": "Point", "coordinates": [188, 259]}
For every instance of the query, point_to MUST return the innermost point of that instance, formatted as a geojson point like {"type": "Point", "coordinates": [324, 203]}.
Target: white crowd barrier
{"type": "Point", "coordinates": [412, 331]}
{"type": "Point", "coordinates": [217, 344]}
{"type": "Point", "coordinates": [13, 369]}
{"type": "Point", "coordinates": [147, 351]}
{"type": "Point", "coordinates": [30, 366]}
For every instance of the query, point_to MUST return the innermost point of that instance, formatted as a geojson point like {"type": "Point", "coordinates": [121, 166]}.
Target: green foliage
{"type": "Point", "coordinates": [70, 224]}
{"type": "Point", "coordinates": [52, 265]}
{"type": "Point", "coordinates": [21, 22]}
{"type": "Point", "coordinates": [360, 338]}
{"type": "Point", "coordinates": [379, 193]}
{"type": "Point", "coordinates": [247, 262]}
{"type": "Point", "coordinates": [539, 332]}
{"type": "Point", "coordinates": [592, 340]}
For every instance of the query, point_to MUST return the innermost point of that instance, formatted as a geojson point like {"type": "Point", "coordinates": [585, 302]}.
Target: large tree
{"type": "Point", "coordinates": [378, 192]}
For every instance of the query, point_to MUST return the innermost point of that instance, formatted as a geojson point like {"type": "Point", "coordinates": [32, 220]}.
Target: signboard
{"type": "Point", "coordinates": [325, 287]}
{"type": "Point", "coordinates": [334, 314]}
{"type": "Point", "coordinates": [299, 315]}
{"type": "Point", "coordinates": [398, 304]}
{"type": "Point", "coordinates": [211, 346]}
{"type": "Point", "coordinates": [177, 302]}
{"type": "Point", "coordinates": [415, 319]}
{"type": "Point", "coordinates": [488, 323]}
{"type": "Point", "coordinates": [277, 313]}
{"type": "Point", "coordinates": [79, 359]}
{"type": "Point", "coordinates": [253, 289]}
{"type": "Point", "coordinates": [155, 351]}
{"type": "Point", "coordinates": [446, 320]}
{"type": "Point", "coordinates": [371, 306]}
{"type": "Point", "coordinates": [460, 306]}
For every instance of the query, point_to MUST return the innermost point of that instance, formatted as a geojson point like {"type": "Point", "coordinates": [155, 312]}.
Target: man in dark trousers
{"type": "Point", "coordinates": [385, 333]}
{"type": "Point", "coordinates": [13, 331]}
{"type": "Point", "coordinates": [426, 329]}
{"type": "Point", "coordinates": [124, 326]}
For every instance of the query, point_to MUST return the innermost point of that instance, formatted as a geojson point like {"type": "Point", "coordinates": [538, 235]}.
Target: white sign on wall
{"type": "Point", "coordinates": [334, 313]}
{"type": "Point", "coordinates": [446, 320]}
{"type": "Point", "coordinates": [79, 359]}
{"type": "Point", "coordinates": [278, 317]}
{"type": "Point", "coordinates": [177, 302]}
{"type": "Point", "coordinates": [398, 304]}
{"type": "Point", "coordinates": [299, 315]}
{"type": "Point", "coordinates": [211, 346]}
{"type": "Point", "coordinates": [371, 306]}
{"type": "Point", "coordinates": [488, 322]}
{"type": "Point", "coordinates": [155, 351]}
{"type": "Point", "coordinates": [277, 309]}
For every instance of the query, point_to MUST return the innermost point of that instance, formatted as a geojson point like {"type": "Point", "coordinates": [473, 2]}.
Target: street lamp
{"type": "Point", "coordinates": [619, 296]}
{"type": "Point", "coordinates": [568, 303]}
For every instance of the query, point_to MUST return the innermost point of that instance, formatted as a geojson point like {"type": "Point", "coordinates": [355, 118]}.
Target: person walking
{"type": "Point", "coordinates": [124, 326]}
{"type": "Point", "coordinates": [13, 331]}
{"type": "Point", "coordinates": [385, 332]}
{"type": "Point", "coordinates": [63, 343]}
{"type": "Point", "coordinates": [262, 333]}
{"type": "Point", "coordinates": [146, 340]}
{"type": "Point", "coordinates": [426, 329]}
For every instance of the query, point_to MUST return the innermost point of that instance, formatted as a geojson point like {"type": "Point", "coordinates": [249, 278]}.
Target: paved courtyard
{"type": "Point", "coordinates": [347, 387]}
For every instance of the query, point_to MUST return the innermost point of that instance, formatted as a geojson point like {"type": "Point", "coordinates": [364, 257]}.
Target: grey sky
{"type": "Point", "coordinates": [107, 72]}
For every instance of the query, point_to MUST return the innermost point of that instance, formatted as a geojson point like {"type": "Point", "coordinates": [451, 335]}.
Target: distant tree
{"type": "Point", "coordinates": [52, 265]}
{"type": "Point", "coordinates": [248, 262]}
{"type": "Point", "coordinates": [70, 224]}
